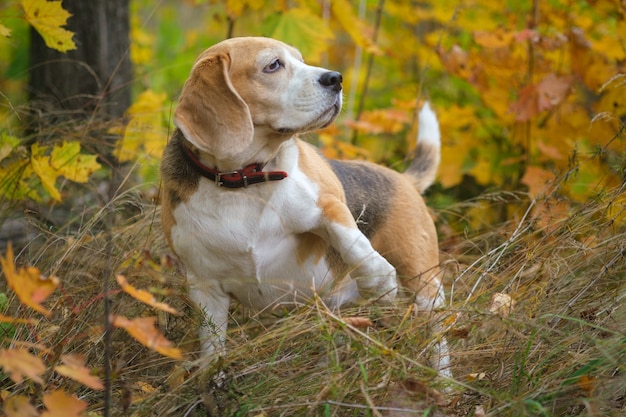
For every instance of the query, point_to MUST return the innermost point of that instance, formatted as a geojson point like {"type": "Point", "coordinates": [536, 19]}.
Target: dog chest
{"type": "Point", "coordinates": [254, 247]}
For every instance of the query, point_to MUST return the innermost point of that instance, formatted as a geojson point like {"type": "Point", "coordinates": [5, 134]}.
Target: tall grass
{"type": "Point", "coordinates": [557, 349]}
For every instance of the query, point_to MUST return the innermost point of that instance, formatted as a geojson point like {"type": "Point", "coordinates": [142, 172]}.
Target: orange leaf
{"type": "Point", "coordinates": [525, 108]}
{"type": "Point", "coordinates": [59, 404]}
{"type": "Point", "coordinates": [537, 180]}
{"type": "Point", "coordinates": [143, 296]}
{"type": "Point", "coordinates": [20, 364]}
{"type": "Point", "coordinates": [19, 406]}
{"type": "Point", "coordinates": [587, 383]}
{"type": "Point", "coordinates": [74, 367]}
{"type": "Point", "coordinates": [498, 38]}
{"type": "Point", "coordinates": [31, 287]}
{"type": "Point", "coordinates": [552, 90]}
{"type": "Point", "coordinates": [142, 329]}
{"type": "Point", "coordinates": [7, 319]}
{"type": "Point", "coordinates": [358, 321]}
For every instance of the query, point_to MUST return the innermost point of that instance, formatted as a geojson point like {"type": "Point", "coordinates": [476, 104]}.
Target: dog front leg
{"type": "Point", "coordinates": [214, 305]}
{"type": "Point", "coordinates": [375, 276]}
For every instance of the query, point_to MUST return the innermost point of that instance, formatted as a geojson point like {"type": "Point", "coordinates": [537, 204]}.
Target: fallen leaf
{"type": "Point", "coordinates": [143, 296]}
{"type": "Point", "coordinates": [60, 404]}
{"type": "Point", "coordinates": [477, 376]}
{"type": "Point", "coordinates": [501, 304]}
{"type": "Point", "coordinates": [479, 411]}
{"type": "Point", "coordinates": [587, 383]}
{"type": "Point", "coordinates": [74, 367]}
{"type": "Point", "coordinates": [31, 287]}
{"type": "Point", "coordinates": [20, 364]}
{"type": "Point", "coordinates": [143, 330]}
{"type": "Point", "coordinates": [7, 319]}
{"type": "Point", "coordinates": [363, 322]}
{"type": "Point", "coordinates": [19, 406]}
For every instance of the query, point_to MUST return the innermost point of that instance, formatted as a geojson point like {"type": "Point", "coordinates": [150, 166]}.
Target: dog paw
{"type": "Point", "coordinates": [380, 284]}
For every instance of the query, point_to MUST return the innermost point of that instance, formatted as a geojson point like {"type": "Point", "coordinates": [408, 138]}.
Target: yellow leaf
{"type": "Point", "coordinates": [29, 285]}
{"type": "Point", "coordinates": [344, 13]}
{"type": "Point", "coordinates": [47, 17]}
{"type": "Point", "coordinates": [19, 406]}
{"type": "Point", "coordinates": [144, 129]}
{"type": "Point", "coordinates": [74, 367]}
{"type": "Point", "coordinates": [143, 296]}
{"type": "Point", "coordinates": [69, 162]}
{"type": "Point", "coordinates": [20, 364]}
{"type": "Point", "coordinates": [60, 404]}
{"type": "Point", "coordinates": [46, 173]}
{"type": "Point", "coordinates": [5, 31]}
{"type": "Point", "coordinates": [498, 38]}
{"type": "Point", "coordinates": [142, 329]}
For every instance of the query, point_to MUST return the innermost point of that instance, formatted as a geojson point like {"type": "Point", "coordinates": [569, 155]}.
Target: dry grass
{"type": "Point", "coordinates": [559, 351]}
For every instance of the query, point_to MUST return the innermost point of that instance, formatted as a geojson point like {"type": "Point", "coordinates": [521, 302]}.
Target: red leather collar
{"type": "Point", "coordinates": [251, 174]}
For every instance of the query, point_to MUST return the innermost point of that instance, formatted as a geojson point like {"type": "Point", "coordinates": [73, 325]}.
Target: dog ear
{"type": "Point", "coordinates": [210, 112]}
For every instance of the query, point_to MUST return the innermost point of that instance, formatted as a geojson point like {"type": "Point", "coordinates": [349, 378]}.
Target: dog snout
{"type": "Point", "coordinates": [331, 79]}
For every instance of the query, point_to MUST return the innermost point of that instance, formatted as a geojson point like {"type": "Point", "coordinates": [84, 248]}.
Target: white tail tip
{"type": "Point", "coordinates": [428, 131]}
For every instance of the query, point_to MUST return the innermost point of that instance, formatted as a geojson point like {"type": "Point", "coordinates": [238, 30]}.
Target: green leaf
{"type": "Point", "coordinates": [7, 144]}
{"type": "Point", "coordinates": [302, 29]}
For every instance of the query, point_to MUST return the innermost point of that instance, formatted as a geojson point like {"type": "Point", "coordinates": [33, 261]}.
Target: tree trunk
{"type": "Point", "coordinates": [93, 79]}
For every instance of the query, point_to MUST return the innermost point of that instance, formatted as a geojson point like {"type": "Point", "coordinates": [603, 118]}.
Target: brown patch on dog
{"type": "Point", "coordinates": [409, 241]}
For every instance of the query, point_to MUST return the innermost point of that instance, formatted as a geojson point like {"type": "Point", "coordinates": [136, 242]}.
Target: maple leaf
{"type": "Point", "coordinates": [47, 17]}
{"type": "Point", "coordinates": [47, 175]}
{"type": "Point", "coordinates": [143, 296]}
{"type": "Point", "coordinates": [60, 404]}
{"type": "Point", "coordinates": [552, 90]}
{"type": "Point", "coordinates": [29, 285]}
{"type": "Point", "coordinates": [143, 330]}
{"type": "Point", "coordinates": [19, 406]}
{"type": "Point", "coordinates": [20, 364]}
{"type": "Point", "coordinates": [74, 367]}
{"type": "Point", "coordinates": [69, 162]}
{"type": "Point", "coordinates": [537, 180]}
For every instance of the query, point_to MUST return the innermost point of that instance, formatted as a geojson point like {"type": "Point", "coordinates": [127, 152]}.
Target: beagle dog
{"type": "Point", "coordinates": [259, 216]}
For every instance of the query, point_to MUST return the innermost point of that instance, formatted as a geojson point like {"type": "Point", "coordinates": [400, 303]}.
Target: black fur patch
{"type": "Point", "coordinates": [176, 169]}
{"type": "Point", "coordinates": [368, 192]}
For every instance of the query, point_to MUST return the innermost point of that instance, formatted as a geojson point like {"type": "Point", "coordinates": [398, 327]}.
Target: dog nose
{"type": "Point", "coordinates": [332, 79]}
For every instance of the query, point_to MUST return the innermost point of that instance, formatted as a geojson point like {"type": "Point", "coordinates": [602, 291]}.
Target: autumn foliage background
{"type": "Point", "coordinates": [529, 204]}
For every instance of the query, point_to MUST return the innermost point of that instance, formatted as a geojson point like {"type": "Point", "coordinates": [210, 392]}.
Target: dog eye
{"type": "Point", "coordinates": [273, 66]}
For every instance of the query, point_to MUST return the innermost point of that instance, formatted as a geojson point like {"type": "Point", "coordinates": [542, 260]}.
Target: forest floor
{"type": "Point", "coordinates": [535, 320]}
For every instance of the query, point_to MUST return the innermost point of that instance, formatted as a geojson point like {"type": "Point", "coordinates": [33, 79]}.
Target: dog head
{"type": "Point", "coordinates": [245, 84]}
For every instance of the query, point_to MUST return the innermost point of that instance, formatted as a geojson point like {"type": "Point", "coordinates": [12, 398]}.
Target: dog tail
{"type": "Point", "coordinates": [427, 154]}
